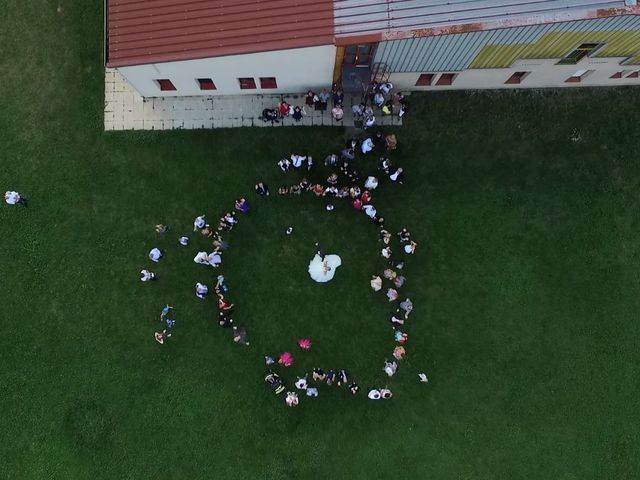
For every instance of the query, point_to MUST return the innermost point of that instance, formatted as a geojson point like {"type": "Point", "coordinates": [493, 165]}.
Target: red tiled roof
{"type": "Point", "coordinates": [154, 31]}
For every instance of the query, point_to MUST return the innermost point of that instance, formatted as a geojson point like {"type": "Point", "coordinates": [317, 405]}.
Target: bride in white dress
{"type": "Point", "coordinates": [323, 270]}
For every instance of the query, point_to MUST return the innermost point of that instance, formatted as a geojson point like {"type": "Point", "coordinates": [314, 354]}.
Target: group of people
{"type": "Point", "coordinates": [380, 96]}
{"type": "Point", "coordinates": [226, 223]}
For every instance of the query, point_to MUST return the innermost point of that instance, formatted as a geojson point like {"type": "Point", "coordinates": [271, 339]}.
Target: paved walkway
{"type": "Point", "coordinates": [125, 109]}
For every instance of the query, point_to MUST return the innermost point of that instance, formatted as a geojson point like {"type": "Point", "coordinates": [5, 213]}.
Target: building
{"type": "Point", "coordinates": [230, 47]}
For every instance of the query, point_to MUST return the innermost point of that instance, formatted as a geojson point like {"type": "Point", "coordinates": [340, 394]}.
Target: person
{"type": "Point", "coordinates": [405, 235]}
{"type": "Point", "coordinates": [367, 145]}
{"type": "Point", "coordinates": [166, 310]}
{"type": "Point", "coordinates": [407, 307]}
{"type": "Point", "coordinates": [242, 205]}
{"type": "Point", "coordinates": [370, 210]}
{"type": "Point", "coordinates": [262, 189]}
{"type": "Point", "coordinates": [403, 110]}
{"type": "Point", "coordinates": [423, 377]}
{"type": "Point", "coordinates": [337, 112]}
{"type": "Point", "coordinates": [399, 280]}
{"type": "Point", "coordinates": [318, 375]}
{"type": "Point", "coordinates": [160, 228]}
{"type": "Point", "coordinates": [338, 96]}
{"type": "Point", "coordinates": [389, 274]}
{"type": "Point", "coordinates": [284, 164]}
{"type": "Point", "coordinates": [399, 352]}
{"type": "Point", "coordinates": [391, 141]}
{"type": "Point", "coordinates": [355, 191]}
{"type": "Point", "coordinates": [225, 320]}
{"type": "Point", "coordinates": [378, 99]}
{"type": "Point", "coordinates": [386, 88]}
{"type": "Point", "coordinates": [343, 377]}
{"type": "Point", "coordinates": [386, 394]}
{"type": "Point", "coordinates": [297, 113]}
{"type": "Point", "coordinates": [353, 388]}
{"type": "Point", "coordinates": [323, 99]}
{"type": "Point", "coordinates": [331, 376]}
{"type": "Point", "coordinates": [386, 252]}
{"type": "Point", "coordinates": [301, 383]}
{"type": "Point", "coordinates": [214, 259]}
{"type": "Point", "coordinates": [284, 109]}
{"type": "Point", "coordinates": [332, 179]}
{"type": "Point", "coordinates": [384, 236]}
{"type": "Point", "coordinates": [270, 115]}
{"type": "Point", "coordinates": [385, 165]}
{"type": "Point", "coordinates": [201, 258]}
{"type": "Point", "coordinates": [297, 160]}
{"type": "Point", "coordinates": [410, 248]}
{"type": "Point", "coordinates": [396, 319]}
{"type": "Point", "coordinates": [374, 394]}
{"type": "Point", "coordinates": [221, 287]}
{"type": "Point", "coordinates": [184, 241]}
{"type": "Point", "coordinates": [268, 360]}
{"type": "Point", "coordinates": [309, 98]}
{"type": "Point", "coordinates": [390, 368]}
{"type": "Point", "coordinates": [400, 337]}
{"type": "Point", "coordinates": [161, 337]}
{"type": "Point", "coordinates": [323, 269]}
{"type": "Point", "coordinates": [224, 304]}
{"type": "Point", "coordinates": [371, 183]}
{"type": "Point", "coordinates": [292, 399]}
{"type": "Point", "coordinates": [147, 276]}
{"type": "Point", "coordinates": [357, 204]}
{"type": "Point", "coordinates": [14, 198]}
{"type": "Point", "coordinates": [240, 336]}
{"type": "Point", "coordinates": [348, 154]}
{"type": "Point", "coordinates": [399, 99]}
{"type": "Point", "coordinates": [387, 108]}
{"type": "Point", "coordinates": [155, 255]}
{"type": "Point", "coordinates": [318, 190]}
{"type": "Point", "coordinates": [376, 283]}
{"type": "Point", "coordinates": [358, 110]}
{"type": "Point", "coordinates": [286, 359]}
{"type": "Point", "coordinates": [365, 197]}
{"type": "Point", "coordinates": [397, 176]}
{"type": "Point", "coordinates": [199, 223]}
{"type": "Point", "coordinates": [201, 290]}
{"type": "Point", "coordinates": [392, 294]}
{"type": "Point", "coordinates": [304, 344]}
{"type": "Point", "coordinates": [312, 392]}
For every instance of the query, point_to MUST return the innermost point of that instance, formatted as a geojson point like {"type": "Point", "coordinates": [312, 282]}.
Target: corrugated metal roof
{"type": "Point", "coordinates": [499, 48]}
{"type": "Point", "coordinates": [154, 31]}
{"type": "Point", "coordinates": [386, 17]}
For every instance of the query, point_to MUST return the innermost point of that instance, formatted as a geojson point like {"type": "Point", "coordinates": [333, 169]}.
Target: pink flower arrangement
{"type": "Point", "coordinates": [304, 344]}
{"type": "Point", "coordinates": [286, 359]}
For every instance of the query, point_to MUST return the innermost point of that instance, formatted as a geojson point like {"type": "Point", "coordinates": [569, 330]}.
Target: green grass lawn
{"type": "Point", "coordinates": [526, 287]}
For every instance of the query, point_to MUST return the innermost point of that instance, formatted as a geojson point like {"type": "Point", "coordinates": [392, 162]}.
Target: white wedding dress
{"type": "Point", "coordinates": [323, 270]}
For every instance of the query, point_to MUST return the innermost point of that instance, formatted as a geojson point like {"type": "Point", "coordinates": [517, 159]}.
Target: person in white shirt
{"type": "Point", "coordinates": [370, 210]}
{"type": "Point", "coordinates": [301, 383]}
{"type": "Point", "coordinates": [390, 368]}
{"type": "Point", "coordinates": [312, 392]}
{"type": "Point", "coordinates": [386, 87]}
{"type": "Point", "coordinates": [201, 290]}
{"type": "Point", "coordinates": [199, 223]}
{"type": "Point", "coordinates": [201, 258]}
{"type": "Point", "coordinates": [371, 183]}
{"type": "Point", "coordinates": [292, 399]}
{"type": "Point", "coordinates": [370, 122]}
{"type": "Point", "coordinates": [155, 255]}
{"type": "Point", "coordinates": [13, 198]}
{"type": "Point", "coordinates": [297, 160]}
{"type": "Point", "coordinates": [374, 394]}
{"type": "Point", "coordinates": [367, 145]}
{"type": "Point", "coordinates": [214, 259]}
{"type": "Point", "coordinates": [184, 241]}
{"type": "Point", "coordinates": [146, 276]}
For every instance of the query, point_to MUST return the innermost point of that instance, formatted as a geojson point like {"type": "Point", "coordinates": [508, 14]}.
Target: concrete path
{"type": "Point", "coordinates": [125, 109]}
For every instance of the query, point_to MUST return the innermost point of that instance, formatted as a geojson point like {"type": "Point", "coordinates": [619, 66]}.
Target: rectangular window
{"type": "Point", "coordinates": [583, 50]}
{"type": "Point", "coordinates": [165, 85]}
{"type": "Point", "coordinates": [268, 82]}
{"type": "Point", "coordinates": [247, 83]}
{"type": "Point", "coordinates": [578, 76]}
{"type": "Point", "coordinates": [206, 84]}
{"type": "Point", "coordinates": [446, 79]}
{"type": "Point", "coordinates": [425, 79]}
{"type": "Point", "coordinates": [517, 77]}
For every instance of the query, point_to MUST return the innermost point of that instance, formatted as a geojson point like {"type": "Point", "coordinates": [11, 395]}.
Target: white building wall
{"type": "Point", "coordinates": [543, 73]}
{"type": "Point", "coordinates": [295, 70]}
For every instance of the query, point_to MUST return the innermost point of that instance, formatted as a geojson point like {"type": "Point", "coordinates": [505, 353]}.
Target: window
{"type": "Point", "coordinates": [446, 79]}
{"type": "Point", "coordinates": [268, 82]}
{"type": "Point", "coordinates": [247, 83]}
{"type": "Point", "coordinates": [425, 79]}
{"type": "Point", "coordinates": [359, 54]}
{"type": "Point", "coordinates": [165, 85]}
{"type": "Point", "coordinates": [579, 53]}
{"type": "Point", "coordinates": [578, 76]}
{"type": "Point", "coordinates": [206, 84]}
{"type": "Point", "coordinates": [633, 75]}
{"type": "Point", "coordinates": [517, 77]}
{"type": "Point", "coordinates": [617, 74]}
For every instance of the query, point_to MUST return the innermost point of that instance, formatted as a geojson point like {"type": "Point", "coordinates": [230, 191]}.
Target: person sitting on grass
{"type": "Point", "coordinates": [390, 368]}
{"type": "Point", "coordinates": [147, 276]}
{"type": "Point", "coordinates": [392, 294]}
{"type": "Point", "coordinates": [396, 319]}
{"type": "Point", "coordinates": [407, 306]}
{"type": "Point", "coordinates": [286, 359]}
{"type": "Point", "coordinates": [201, 290]}
{"type": "Point", "coordinates": [292, 399]}
{"type": "Point", "coordinates": [155, 254]}
{"type": "Point", "coordinates": [242, 205]}
{"type": "Point", "coordinates": [353, 388]}
{"type": "Point", "coordinates": [14, 198]}
{"type": "Point", "coordinates": [318, 375]}
{"type": "Point", "coordinates": [240, 336]}
{"type": "Point", "coordinates": [161, 337]}
{"type": "Point", "coordinates": [376, 283]}
{"type": "Point", "coordinates": [224, 305]}
{"type": "Point", "coordinates": [386, 394]}
{"type": "Point", "coordinates": [374, 394]}
{"type": "Point", "coordinates": [199, 223]}
{"type": "Point", "coordinates": [225, 320]}
{"type": "Point", "coordinates": [262, 189]}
